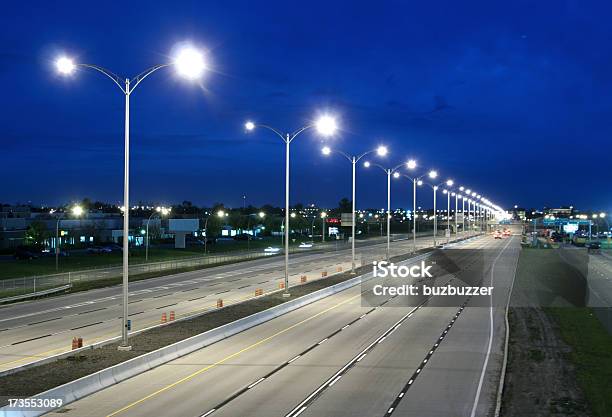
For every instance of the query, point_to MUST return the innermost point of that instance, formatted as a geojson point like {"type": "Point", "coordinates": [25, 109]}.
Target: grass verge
{"type": "Point", "coordinates": [591, 354]}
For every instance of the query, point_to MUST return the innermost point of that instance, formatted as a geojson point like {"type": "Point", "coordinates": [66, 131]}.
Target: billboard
{"type": "Point", "coordinates": [183, 225]}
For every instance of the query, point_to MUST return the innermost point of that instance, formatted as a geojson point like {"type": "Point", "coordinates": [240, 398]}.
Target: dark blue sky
{"type": "Point", "coordinates": [511, 98]}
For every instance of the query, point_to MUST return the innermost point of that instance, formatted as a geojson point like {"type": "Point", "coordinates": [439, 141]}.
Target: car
{"type": "Point", "coordinates": [113, 247]}
{"type": "Point", "coordinates": [22, 253]}
{"type": "Point", "coordinates": [305, 245]}
{"type": "Point", "coordinates": [270, 250]}
{"type": "Point", "coordinates": [593, 245]}
{"type": "Point", "coordinates": [506, 233]}
{"type": "Point", "coordinates": [99, 250]}
{"type": "Point", "coordinates": [497, 234]}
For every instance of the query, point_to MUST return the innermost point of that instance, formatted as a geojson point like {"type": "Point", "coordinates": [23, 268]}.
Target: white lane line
{"type": "Point", "coordinates": [256, 382]}
{"type": "Point", "coordinates": [300, 412]}
{"type": "Point", "coordinates": [335, 380]}
{"type": "Point", "coordinates": [294, 359]}
{"type": "Point", "coordinates": [490, 344]}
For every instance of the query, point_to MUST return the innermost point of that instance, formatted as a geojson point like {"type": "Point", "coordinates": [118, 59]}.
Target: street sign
{"type": "Point", "coordinates": [346, 219]}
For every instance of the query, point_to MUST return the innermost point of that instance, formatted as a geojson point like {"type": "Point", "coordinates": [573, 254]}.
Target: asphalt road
{"type": "Point", "coordinates": [337, 357]}
{"type": "Point", "coordinates": [37, 329]}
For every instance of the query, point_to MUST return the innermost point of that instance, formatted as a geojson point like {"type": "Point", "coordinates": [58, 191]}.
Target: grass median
{"type": "Point", "coordinates": [560, 353]}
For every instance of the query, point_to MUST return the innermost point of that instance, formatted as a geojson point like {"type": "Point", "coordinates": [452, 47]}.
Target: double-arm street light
{"type": "Point", "coordinates": [380, 151]}
{"type": "Point", "coordinates": [449, 183]}
{"type": "Point", "coordinates": [416, 181]}
{"type": "Point", "coordinates": [189, 64]}
{"type": "Point", "coordinates": [76, 211]}
{"type": "Point", "coordinates": [389, 171]}
{"type": "Point", "coordinates": [462, 197]}
{"type": "Point", "coordinates": [161, 211]}
{"type": "Point", "coordinates": [326, 126]}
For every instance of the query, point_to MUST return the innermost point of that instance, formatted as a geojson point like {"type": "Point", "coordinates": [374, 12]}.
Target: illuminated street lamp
{"type": "Point", "coordinates": [380, 151]}
{"type": "Point", "coordinates": [76, 211]}
{"type": "Point", "coordinates": [449, 184]}
{"type": "Point", "coordinates": [325, 126]}
{"type": "Point", "coordinates": [389, 172]}
{"type": "Point", "coordinates": [323, 216]}
{"type": "Point", "coordinates": [435, 214]}
{"type": "Point", "coordinates": [416, 181]}
{"type": "Point", "coordinates": [189, 63]}
{"type": "Point", "coordinates": [161, 211]}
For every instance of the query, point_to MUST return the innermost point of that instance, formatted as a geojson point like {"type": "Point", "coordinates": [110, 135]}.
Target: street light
{"type": "Point", "coordinates": [76, 211]}
{"type": "Point", "coordinates": [325, 126]}
{"type": "Point", "coordinates": [380, 151]}
{"type": "Point", "coordinates": [389, 172]}
{"type": "Point", "coordinates": [323, 216]}
{"type": "Point", "coordinates": [261, 215]}
{"type": "Point", "coordinates": [449, 184]}
{"type": "Point", "coordinates": [416, 181]}
{"type": "Point", "coordinates": [433, 175]}
{"type": "Point", "coordinates": [161, 211]}
{"type": "Point", "coordinates": [190, 64]}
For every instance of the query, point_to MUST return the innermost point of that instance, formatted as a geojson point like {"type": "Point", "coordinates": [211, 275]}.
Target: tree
{"type": "Point", "coordinates": [345, 205]}
{"type": "Point", "coordinates": [36, 233]}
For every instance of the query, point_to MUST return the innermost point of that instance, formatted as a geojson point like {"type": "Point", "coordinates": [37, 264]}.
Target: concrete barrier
{"type": "Point", "coordinates": [90, 384]}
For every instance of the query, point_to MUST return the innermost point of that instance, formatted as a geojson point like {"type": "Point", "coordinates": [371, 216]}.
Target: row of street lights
{"type": "Point", "coordinates": [190, 64]}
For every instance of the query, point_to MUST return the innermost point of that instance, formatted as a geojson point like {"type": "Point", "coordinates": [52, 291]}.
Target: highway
{"type": "Point", "coordinates": [341, 357]}
{"type": "Point", "coordinates": [37, 329]}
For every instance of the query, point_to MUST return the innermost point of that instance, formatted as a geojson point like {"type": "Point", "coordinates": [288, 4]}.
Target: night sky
{"type": "Point", "coordinates": [513, 99]}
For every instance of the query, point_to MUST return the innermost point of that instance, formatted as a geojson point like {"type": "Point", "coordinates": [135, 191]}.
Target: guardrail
{"type": "Point", "coordinates": [87, 385]}
{"type": "Point", "coordinates": [35, 294]}
{"type": "Point", "coordinates": [28, 285]}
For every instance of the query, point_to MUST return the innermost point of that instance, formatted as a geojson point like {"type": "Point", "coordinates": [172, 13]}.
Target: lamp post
{"type": "Point", "coordinates": [416, 181]}
{"type": "Point", "coordinates": [380, 151]}
{"type": "Point", "coordinates": [447, 192]}
{"type": "Point", "coordinates": [326, 126]}
{"type": "Point", "coordinates": [456, 226]}
{"type": "Point", "coordinates": [189, 64]}
{"type": "Point", "coordinates": [389, 172]}
{"type": "Point", "coordinates": [206, 234]}
{"type": "Point", "coordinates": [77, 211]}
{"type": "Point", "coordinates": [449, 183]}
{"type": "Point", "coordinates": [323, 216]}
{"type": "Point", "coordinates": [162, 211]}
{"type": "Point", "coordinates": [261, 215]}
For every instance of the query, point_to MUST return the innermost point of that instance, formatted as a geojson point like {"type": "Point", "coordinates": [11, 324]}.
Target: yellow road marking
{"type": "Point", "coordinates": [225, 359]}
